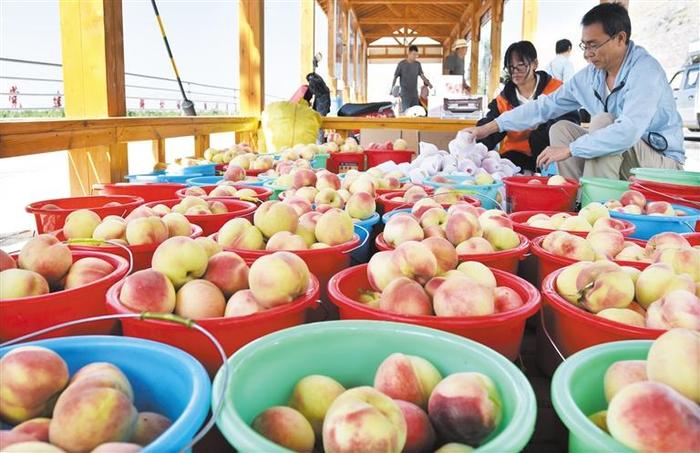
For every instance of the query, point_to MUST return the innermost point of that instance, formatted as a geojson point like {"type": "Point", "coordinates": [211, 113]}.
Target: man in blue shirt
{"type": "Point", "coordinates": [634, 122]}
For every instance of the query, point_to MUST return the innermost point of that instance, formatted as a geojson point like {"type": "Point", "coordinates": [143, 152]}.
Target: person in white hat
{"type": "Point", "coordinates": [454, 63]}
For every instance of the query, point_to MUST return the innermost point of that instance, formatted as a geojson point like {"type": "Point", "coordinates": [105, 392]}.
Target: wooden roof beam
{"type": "Point", "coordinates": [406, 21]}
{"type": "Point", "coordinates": [408, 2]}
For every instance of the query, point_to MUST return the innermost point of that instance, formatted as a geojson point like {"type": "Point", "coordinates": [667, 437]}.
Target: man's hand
{"type": "Point", "coordinates": [553, 154]}
{"type": "Point", "coordinates": [482, 131]}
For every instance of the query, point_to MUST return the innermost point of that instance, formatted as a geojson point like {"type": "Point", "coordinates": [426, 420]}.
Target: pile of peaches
{"type": "Point", "coordinates": [634, 202]}
{"type": "Point", "coordinates": [54, 413]}
{"type": "Point", "coordinates": [223, 189]}
{"type": "Point", "coordinates": [409, 407]}
{"type": "Point", "coordinates": [585, 220]}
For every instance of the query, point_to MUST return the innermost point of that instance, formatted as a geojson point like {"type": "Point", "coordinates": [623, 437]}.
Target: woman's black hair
{"type": "Point", "coordinates": [413, 49]}
{"type": "Point", "coordinates": [523, 49]}
{"type": "Point", "coordinates": [613, 17]}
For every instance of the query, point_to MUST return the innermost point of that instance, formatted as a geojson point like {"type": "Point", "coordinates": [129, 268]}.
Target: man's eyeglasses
{"type": "Point", "coordinates": [520, 67]}
{"type": "Point", "coordinates": [594, 47]}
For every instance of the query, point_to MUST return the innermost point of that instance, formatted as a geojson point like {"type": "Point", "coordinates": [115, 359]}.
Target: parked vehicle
{"type": "Point", "coordinates": [686, 88]}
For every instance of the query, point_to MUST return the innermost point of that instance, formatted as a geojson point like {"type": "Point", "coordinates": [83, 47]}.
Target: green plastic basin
{"type": "Point", "coordinates": [263, 374]}
{"type": "Point", "coordinates": [577, 392]}
{"type": "Point", "coordinates": [601, 190]}
{"type": "Point", "coordinates": [686, 178]}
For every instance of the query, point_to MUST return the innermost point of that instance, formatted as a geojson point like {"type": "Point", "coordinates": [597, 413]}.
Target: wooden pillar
{"type": "Point", "coordinates": [158, 150]}
{"type": "Point", "coordinates": [251, 22]}
{"type": "Point", "coordinates": [93, 80]}
{"type": "Point", "coordinates": [332, 34]}
{"type": "Point", "coordinates": [474, 65]}
{"type": "Point", "coordinates": [346, 53]}
{"type": "Point", "coordinates": [496, 27]}
{"type": "Point", "coordinates": [201, 144]}
{"type": "Point", "coordinates": [308, 9]}
{"type": "Point", "coordinates": [363, 71]}
{"type": "Point", "coordinates": [530, 20]}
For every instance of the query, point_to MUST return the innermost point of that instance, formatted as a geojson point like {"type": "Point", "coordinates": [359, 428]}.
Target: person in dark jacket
{"type": "Point", "coordinates": [524, 84]}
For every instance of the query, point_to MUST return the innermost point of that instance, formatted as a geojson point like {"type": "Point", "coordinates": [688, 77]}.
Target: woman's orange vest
{"type": "Point", "coordinates": [518, 140]}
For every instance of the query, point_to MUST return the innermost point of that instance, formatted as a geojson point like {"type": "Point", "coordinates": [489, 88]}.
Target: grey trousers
{"type": "Point", "coordinates": [615, 166]}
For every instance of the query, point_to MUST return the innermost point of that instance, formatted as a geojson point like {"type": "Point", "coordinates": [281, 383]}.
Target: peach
{"type": "Point", "coordinates": [223, 191]}
{"type": "Point", "coordinates": [81, 224]}
{"type": "Point", "coordinates": [117, 447]}
{"type": "Point", "coordinates": [307, 193]}
{"type": "Point", "coordinates": [611, 289]}
{"type": "Point", "coordinates": [569, 246]}
{"type": "Point", "coordinates": [6, 261]}
{"type": "Point", "coordinates": [87, 270]}
{"type": "Point", "coordinates": [433, 284]}
{"type": "Point", "coordinates": [456, 447]}
{"type": "Point", "coordinates": [31, 378]}
{"type": "Point", "coordinates": [195, 210]}
{"type": "Point", "coordinates": [478, 272]}
{"type": "Point", "coordinates": [555, 180]}
{"type": "Point", "coordinates": [607, 222]}
{"type": "Point", "coordinates": [599, 419]}
{"type": "Point", "coordinates": [407, 377]}
{"type": "Point", "coordinates": [240, 234]}
{"type": "Point", "coordinates": [344, 195]}
{"type": "Point", "coordinates": [632, 252]}
{"type": "Point", "coordinates": [502, 238]}
{"type": "Point", "coordinates": [195, 191]}
{"type": "Point", "coordinates": [242, 303]}
{"type": "Point", "coordinates": [361, 206]}
{"type": "Point", "coordinates": [199, 299]}
{"type": "Point", "coordinates": [435, 231]}
{"type": "Point", "coordinates": [312, 396]}
{"type": "Point", "coordinates": [247, 194]}
{"type": "Point", "coordinates": [188, 203]}
{"type": "Point", "coordinates": [461, 226]}
{"type": "Point", "coordinates": [329, 197]}
{"type": "Point", "coordinates": [370, 298]}
{"type": "Point", "coordinates": [612, 204]}
{"type": "Point", "coordinates": [465, 407]}
{"type": "Point", "coordinates": [593, 211]}
{"type": "Point", "coordinates": [416, 261]}
{"type": "Point", "coordinates": [274, 216]}
{"type": "Point", "coordinates": [433, 217]}
{"type": "Point", "coordinates": [102, 375]}
{"type": "Point", "coordinates": [234, 173]}
{"type": "Point", "coordinates": [159, 209]}
{"type": "Point", "coordinates": [566, 283]}
{"type": "Point", "coordinates": [673, 360]}
{"type": "Point", "coordinates": [363, 419]}
{"type": "Point", "coordinates": [382, 269]}
{"type": "Point", "coordinates": [445, 195]}
{"type": "Point", "coordinates": [658, 280]}
{"type": "Point", "coordinates": [421, 206]}
{"type": "Point", "coordinates": [286, 427]}
{"type": "Point", "coordinates": [405, 297]}
{"type": "Point", "coordinates": [463, 296]}
{"type": "Point", "coordinates": [678, 308]}
{"type": "Point", "coordinates": [146, 230]}
{"type": "Point", "coordinates": [217, 207]}
{"type": "Point", "coordinates": [300, 205]}
{"type": "Point", "coordinates": [37, 428]}
{"type": "Point", "coordinates": [110, 416]}
{"type": "Point", "coordinates": [621, 374]}
{"type": "Point", "coordinates": [538, 217]}
{"type": "Point", "coordinates": [401, 228]}
{"type": "Point", "coordinates": [141, 211]}
{"type": "Point", "coordinates": [666, 240]}
{"type": "Point", "coordinates": [475, 246]}
{"type": "Point", "coordinates": [327, 180]}
{"type": "Point", "coordinates": [278, 279]}
{"type": "Point", "coordinates": [420, 435]}
{"type": "Point", "coordinates": [363, 184]}
{"type": "Point", "coordinates": [17, 283]}
{"type": "Point", "coordinates": [306, 228]}
{"type": "Point", "coordinates": [413, 194]}
{"type": "Point", "coordinates": [32, 447]}
{"type": "Point", "coordinates": [464, 207]}
{"type": "Point", "coordinates": [624, 316]}
{"type": "Point", "coordinates": [444, 252]}
{"type": "Point", "coordinates": [228, 272]}
{"type": "Point", "coordinates": [606, 243]}
{"type": "Point", "coordinates": [303, 177]}
{"type": "Point", "coordinates": [506, 299]}
{"type": "Point", "coordinates": [662, 208]}
{"type": "Point", "coordinates": [633, 197]}
{"type": "Point", "coordinates": [557, 219]}
{"type": "Point", "coordinates": [334, 227]}
{"type": "Point", "coordinates": [575, 223]}
{"type": "Point", "coordinates": [148, 290]}
{"type": "Point", "coordinates": [149, 426]}
{"type": "Point", "coordinates": [8, 438]}
{"type": "Point", "coordinates": [630, 209]}
{"type": "Point", "coordinates": [110, 228]}
{"type": "Point", "coordinates": [47, 256]}
{"type": "Point", "coordinates": [209, 245]}
{"type": "Point", "coordinates": [284, 240]}
{"type": "Point", "coordinates": [683, 261]}
{"type": "Point", "coordinates": [650, 416]}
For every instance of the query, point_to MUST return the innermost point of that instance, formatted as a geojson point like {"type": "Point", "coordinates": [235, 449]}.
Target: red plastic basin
{"type": "Point", "coordinates": [147, 191]}
{"type": "Point", "coordinates": [263, 193]}
{"type": "Point", "coordinates": [51, 219]}
{"type": "Point", "coordinates": [211, 223]}
{"type": "Point", "coordinates": [521, 196]}
{"type": "Point", "coordinates": [379, 156]}
{"type": "Point", "coordinates": [672, 193]}
{"type": "Point", "coordinates": [232, 333]}
{"type": "Point", "coordinates": [29, 314]}
{"type": "Point", "coordinates": [519, 225]}
{"type": "Point", "coordinates": [342, 162]}
{"type": "Point", "coordinates": [549, 262]}
{"type": "Point", "coordinates": [141, 254]}
{"type": "Point", "coordinates": [573, 329]}
{"type": "Point", "coordinates": [502, 332]}
{"type": "Point", "coordinates": [386, 203]}
{"type": "Point", "coordinates": [693, 238]}
{"type": "Point", "coordinates": [505, 260]}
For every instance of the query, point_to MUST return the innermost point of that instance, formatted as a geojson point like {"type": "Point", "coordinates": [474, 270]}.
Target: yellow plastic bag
{"type": "Point", "coordinates": [285, 124]}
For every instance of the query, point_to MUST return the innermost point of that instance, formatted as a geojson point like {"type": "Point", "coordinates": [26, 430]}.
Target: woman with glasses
{"type": "Point", "coordinates": [524, 84]}
{"type": "Point", "coordinates": [634, 119]}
